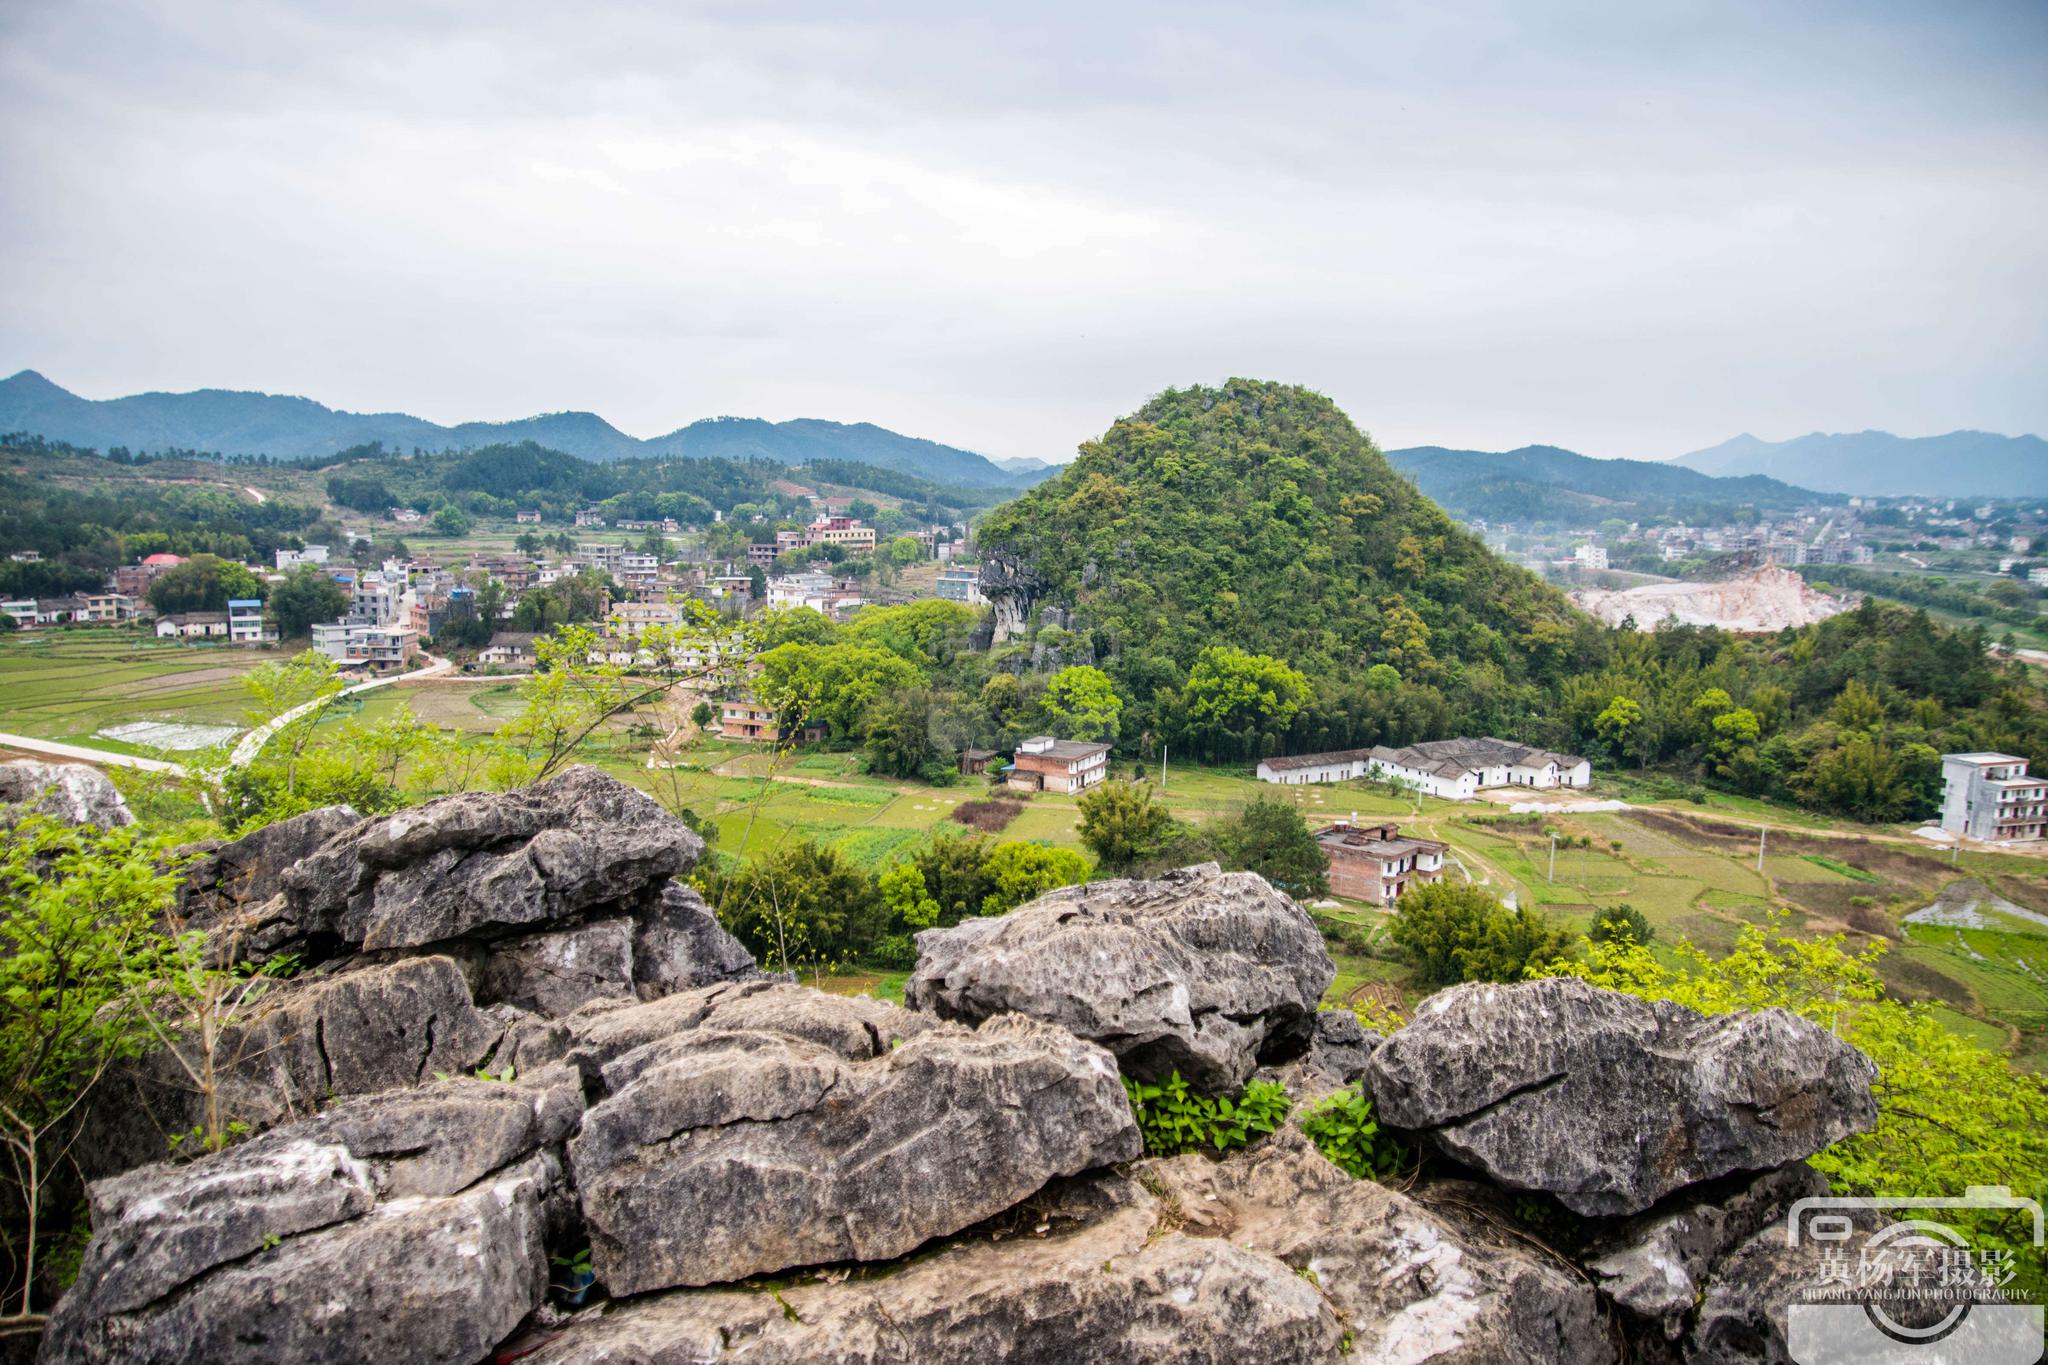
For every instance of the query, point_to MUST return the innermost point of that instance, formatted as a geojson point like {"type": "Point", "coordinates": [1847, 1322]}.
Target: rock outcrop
{"type": "Point", "coordinates": [484, 865]}
{"type": "Point", "coordinates": [1203, 972]}
{"type": "Point", "coordinates": [1274, 1256]}
{"type": "Point", "coordinates": [404, 1227]}
{"type": "Point", "coordinates": [224, 878]}
{"type": "Point", "coordinates": [962, 1181]}
{"type": "Point", "coordinates": [74, 793]}
{"type": "Point", "coordinates": [1610, 1102]}
{"type": "Point", "coordinates": [718, 1153]}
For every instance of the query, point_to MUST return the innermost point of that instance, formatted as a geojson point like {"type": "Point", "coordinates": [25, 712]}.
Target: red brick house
{"type": "Point", "coordinates": [1046, 764]}
{"type": "Point", "coordinates": [1377, 864]}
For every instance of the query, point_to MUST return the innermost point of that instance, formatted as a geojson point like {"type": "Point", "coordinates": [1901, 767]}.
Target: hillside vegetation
{"type": "Point", "coordinates": [1257, 514]}
{"type": "Point", "coordinates": [1543, 484]}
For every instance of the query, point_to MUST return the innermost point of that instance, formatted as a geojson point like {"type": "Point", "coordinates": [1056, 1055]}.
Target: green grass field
{"type": "Point", "coordinates": [68, 684]}
{"type": "Point", "coordinates": [1691, 868]}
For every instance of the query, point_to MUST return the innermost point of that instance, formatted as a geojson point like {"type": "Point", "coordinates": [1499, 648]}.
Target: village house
{"type": "Point", "coordinates": [245, 622]}
{"type": "Point", "coordinates": [514, 647]}
{"type": "Point", "coordinates": [46, 611]}
{"type": "Point", "coordinates": [527, 518]}
{"type": "Point", "coordinates": [590, 516]}
{"type": "Point", "coordinates": [1377, 864]}
{"type": "Point", "coordinates": [110, 607]}
{"type": "Point", "coordinates": [1043, 763]}
{"type": "Point", "coordinates": [193, 625]}
{"type": "Point", "coordinates": [1989, 796]}
{"type": "Point", "coordinates": [746, 718]}
{"type": "Point", "coordinates": [292, 559]}
{"type": "Point", "coordinates": [359, 642]}
{"type": "Point", "coordinates": [1453, 769]}
{"type": "Point", "coordinates": [133, 580]}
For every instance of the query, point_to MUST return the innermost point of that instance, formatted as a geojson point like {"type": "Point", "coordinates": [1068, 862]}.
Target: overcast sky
{"type": "Point", "coordinates": [1630, 229]}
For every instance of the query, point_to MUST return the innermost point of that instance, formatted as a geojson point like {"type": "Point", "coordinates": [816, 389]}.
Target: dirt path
{"type": "Point", "coordinates": [53, 749]}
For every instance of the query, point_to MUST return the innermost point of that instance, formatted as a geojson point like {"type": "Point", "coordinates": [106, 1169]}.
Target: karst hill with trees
{"type": "Point", "coordinates": [1254, 578]}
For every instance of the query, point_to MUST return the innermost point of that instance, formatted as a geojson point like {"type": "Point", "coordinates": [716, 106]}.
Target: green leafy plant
{"type": "Point", "coordinates": [1343, 1129]}
{"type": "Point", "coordinates": [1174, 1119]}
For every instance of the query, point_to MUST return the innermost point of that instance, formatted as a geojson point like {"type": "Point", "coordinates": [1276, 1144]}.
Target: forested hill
{"type": "Point", "coordinates": [1544, 484]}
{"type": "Point", "coordinates": [1257, 515]}
{"type": "Point", "coordinates": [235, 423]}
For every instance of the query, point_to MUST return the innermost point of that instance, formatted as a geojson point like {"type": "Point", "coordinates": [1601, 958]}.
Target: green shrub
{"type": "Point", "coordinates": [1174, 1119]}
{"type": "Point", "coordinates": [1343, 1129]}
{"type": "Point", "coordinates": [897, 952]}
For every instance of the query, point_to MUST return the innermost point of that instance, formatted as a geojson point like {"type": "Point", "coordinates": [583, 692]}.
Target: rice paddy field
{"type": "Point", "coordinates": [71, 684]}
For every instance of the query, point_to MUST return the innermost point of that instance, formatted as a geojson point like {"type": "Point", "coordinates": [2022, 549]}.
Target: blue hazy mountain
{"type": "Point", "coordinates": [1877, 463]}
{"type": "Point", "coordinates": [238, 423]}
{"type": "Point", "coordinates": [1547, 484]}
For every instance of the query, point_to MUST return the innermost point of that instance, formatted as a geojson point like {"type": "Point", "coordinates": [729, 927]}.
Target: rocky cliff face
{"type": "Point", "coordinates": [753, 1170]}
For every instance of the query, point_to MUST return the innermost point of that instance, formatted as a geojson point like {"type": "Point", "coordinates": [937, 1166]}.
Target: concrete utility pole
{"type": "Point", "coordinates": [1760, 847]}
{"type": "Point", "coordinates": [1162, 766]}
{"type": "Point", "coordinates": [1553, 857]}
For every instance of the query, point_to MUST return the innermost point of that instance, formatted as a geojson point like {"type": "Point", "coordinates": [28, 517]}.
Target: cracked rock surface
{"type": "Point", "coordinates": [724, 1151]}
{"type": "Point", "coordinates": [403, 1227]}
{"type": "Point", "coordinates": [1203, 972]}
{"type": "Point", "coordinates": [1610, 1102]}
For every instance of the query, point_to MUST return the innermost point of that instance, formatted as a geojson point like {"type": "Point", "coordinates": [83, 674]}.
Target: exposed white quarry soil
{"type": "Point", "coordinates": [1769, 599]}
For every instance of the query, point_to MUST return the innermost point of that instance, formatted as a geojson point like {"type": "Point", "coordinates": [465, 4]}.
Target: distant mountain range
{"type": "Point", "coordinates": [1544, 484]}
{"type": "Point", "coordinates": [236, 423]}
{"type": "Point", "coordinates": [1877, 463]}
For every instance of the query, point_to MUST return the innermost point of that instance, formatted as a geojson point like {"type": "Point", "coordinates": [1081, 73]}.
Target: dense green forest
{"type": "Point", "coordinates": [82, 533]}
{"type": "Point", "coordinates": [1543, 485]}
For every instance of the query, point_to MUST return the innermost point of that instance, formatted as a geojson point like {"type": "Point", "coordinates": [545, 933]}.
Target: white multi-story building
{"type": "Point", "coordinates": [358, 642]}
{"type": "Point", "coordinates": [245, 622]}
{"type": "Point", "coordinates": [1989, 796]}
{"type": "Point", "coordinates": [292, 559]}
{"type": "Point", "coordinates": [1590, 557]}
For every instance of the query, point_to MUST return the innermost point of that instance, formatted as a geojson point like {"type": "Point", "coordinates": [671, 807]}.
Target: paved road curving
{"type": "Point", "coordinates": [252, 743]}
{"type": "Point", "coordinates": [56, 749]}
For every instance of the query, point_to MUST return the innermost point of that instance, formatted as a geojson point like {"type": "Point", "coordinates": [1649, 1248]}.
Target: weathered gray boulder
{"type": "Point", "coordinates": [1655, 1265]}
{"type": "Point", "coordinates": [1772, 1302]}
{"type": "Point", "coordinates": [1202, 972]}
{"type": "Point", "coordinates": [678, 944]}
{"type": "Point", "coordinates": [75, 793]}
{"type": "Point", "coordinates": [403, 1227]}
{"type": "Point", "coordinates": [487, 864]}
{"type": "Point", "coordinates": [1336, 1057]}
{"type": "Point", "coordinates": [313, 1039]}
{"type": "Point", "coordinates": [855, 1027]}
{"type": "Point", "coordinates": [719, 1153]}
{"type": "Point", "coordinates": [227, 878]}
{"type": "Point", "coordinates": [1268, 1256]}
{"type": "Point", "coordinates": [1610, 1102]}
{"type": "Point", "coordinates": [554, 972]}
{"type": "Point", "coordinates": [1107, 1281]}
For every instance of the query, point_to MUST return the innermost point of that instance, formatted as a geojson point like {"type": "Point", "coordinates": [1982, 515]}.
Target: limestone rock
{"type": "Point", "coordinates": [230, 876]}
{"type": "Point", "coordinates": [73, 793]}
{"type": "Point", "coordinates": [485, 864]}
{"type": "Point", "coordinates": [1411, 1285]}
{"type": "Point", "coordinates": [1273, 1255]}
{"type": "Point", "coordinates": [1656, 1264]}
{"type": "Point", "coordinates": [719, 1153]}
{"type": "Point", "coordinates": [1610, 1102]}
{"type": "Point", "coordinates": [1336, 1057]}
{"type": "Point", "coordinates": [554, 972]}
{"type": "Point", "coordinates": [315, 1038]}
{"type": "Point", "coordinates": [678, 944]}
{"type": "Point", "coordinates": [1200, 971]}
{"type": "Point", "coordinates": [403, 1227]}
{"type": "Point", "coordinates": [1108, 1285]}
{"type": "Point", "coordinates": [854, 1027]}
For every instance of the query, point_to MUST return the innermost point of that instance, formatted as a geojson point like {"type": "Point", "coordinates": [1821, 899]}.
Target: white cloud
{"type": "Point", "coordinates": [1631, 233]}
